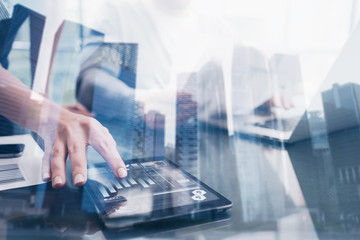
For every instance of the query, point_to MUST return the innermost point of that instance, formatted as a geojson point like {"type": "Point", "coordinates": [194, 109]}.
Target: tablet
{"type": "Point", "coordinates": [155, 189]}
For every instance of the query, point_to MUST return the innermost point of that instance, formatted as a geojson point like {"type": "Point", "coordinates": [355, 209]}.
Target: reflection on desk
{"type": "Point", "coordinates": [328, 169]}
{"type": "Point", "coordinates": [307, 191]}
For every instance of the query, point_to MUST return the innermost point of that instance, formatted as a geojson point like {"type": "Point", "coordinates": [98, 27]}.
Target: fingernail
{"type": "Point", "coordinates": [57, 180]}
{"type": "Point", "coordinates": [46, 177]}
{"type": "Point", "coordinates": [122, 172]}
{"type": "Point", "coordinates": [79, 178]}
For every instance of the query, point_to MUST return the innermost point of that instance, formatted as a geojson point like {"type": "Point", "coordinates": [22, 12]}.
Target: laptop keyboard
{"type": "Point", "coordinates": [10, 173]}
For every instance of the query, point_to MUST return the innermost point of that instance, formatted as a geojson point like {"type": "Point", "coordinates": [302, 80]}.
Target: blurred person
{"type": "Point", "coordinates": [173, 37]}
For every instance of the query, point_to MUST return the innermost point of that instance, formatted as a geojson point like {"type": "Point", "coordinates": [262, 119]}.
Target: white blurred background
{"type": "Point", "coordinates": [315, 30]}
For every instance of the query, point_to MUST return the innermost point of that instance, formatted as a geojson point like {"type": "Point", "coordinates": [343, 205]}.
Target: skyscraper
{"type": "Point", "coordinates": [342, 106]}
{"type": "Point", "coordinates": [214, 141]}
{"type": "Point", "coordinates": [154, 139]}
{"type": "Point", "coordinates": [149, 133]}
{"type": "Point", "coordinates": [186, 150]}
{"type": "Point", "coordinates": [200, 102]}
{"type": "Point", "coordinates": [342, 114]}
{"type": "Point", "coordinates": [139, 130]}
{"type": "Point", "coordinates": [317, 130]}
{"type": "Point", "coordinates": [249, 74]}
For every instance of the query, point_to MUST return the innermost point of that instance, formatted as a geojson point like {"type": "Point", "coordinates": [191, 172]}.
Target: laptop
{"type": "Point", "coordinates": [255, 79]}
{"type": "Point", "coordinates": [334, 108]}
{"type": "Point", "coordinates": [20, 42]}
{"type": "Point", "coordinates": [24, 170]}
{"type": "Point", "coordinates": [155, 189]}
{"type": "Point", "coordinates": [279, 125]}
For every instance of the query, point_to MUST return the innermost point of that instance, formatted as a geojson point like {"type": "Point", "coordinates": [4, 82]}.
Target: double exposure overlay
{"type": "Point", "coordinates": [198, 119]}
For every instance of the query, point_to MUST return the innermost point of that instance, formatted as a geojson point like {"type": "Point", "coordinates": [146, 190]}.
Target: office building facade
{"type": "Point", "coordinates": [186, 150]}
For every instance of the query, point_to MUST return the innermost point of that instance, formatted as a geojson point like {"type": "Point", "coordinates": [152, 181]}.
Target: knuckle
{"type": "Point", "coordinates": [74, 148]}
{"type": "Point", "coordinates": [65, 128]}
{"type": "Point", "coordinates": [90, 122]}
{"type": "Point", "coordinates": [107, 144]}
{"type": "Point", "coordinates": [87, 122]}
{"type": "Point", "coordinates": [71, 132]}
{"type": "Point", "coordinates": [56, 152]}
{"type": "Point", "coordinates": [104, 145]}
{"type": "Point", "coordinates": [87, 125]}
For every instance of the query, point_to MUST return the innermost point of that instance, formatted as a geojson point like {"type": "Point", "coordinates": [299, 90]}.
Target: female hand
{"type": "Point", "coordinates": [69, 136]}
{"type": "Point", "coordinates": [65, 133]}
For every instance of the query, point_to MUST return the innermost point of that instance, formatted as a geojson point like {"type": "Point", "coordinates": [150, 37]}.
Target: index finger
{"type": "Point", "coordinates": [105, 145]}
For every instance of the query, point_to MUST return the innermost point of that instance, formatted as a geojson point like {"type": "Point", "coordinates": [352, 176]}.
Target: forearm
{"type": "Point", "coordinates": [23, 106]}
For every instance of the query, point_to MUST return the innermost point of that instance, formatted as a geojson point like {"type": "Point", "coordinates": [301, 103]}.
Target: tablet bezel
{"type": "Point", "coordinates": [219, 205]}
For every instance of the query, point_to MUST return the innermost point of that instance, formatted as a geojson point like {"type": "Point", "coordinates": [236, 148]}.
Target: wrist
{"type": "Point", "coordinates": [41, 114]}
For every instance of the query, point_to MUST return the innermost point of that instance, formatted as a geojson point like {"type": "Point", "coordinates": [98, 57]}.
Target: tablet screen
{"type": "Point", "coordinates": [153, 188]}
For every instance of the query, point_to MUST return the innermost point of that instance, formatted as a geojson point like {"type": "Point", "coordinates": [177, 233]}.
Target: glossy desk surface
{"type": "Point", "coordinates": [300, 191]}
